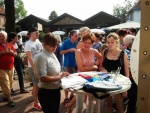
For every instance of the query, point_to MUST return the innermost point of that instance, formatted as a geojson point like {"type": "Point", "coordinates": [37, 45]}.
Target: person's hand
{"type": "Point", "coordinates": [64, 74]}
{"type": "Point", "coordinates": [11, 52]}
{"type": "Point", "coordinates": [97, 63]}
{"type": "Point", "coordinates": [7, 50]}
{"type": "Point", "coordinates": [103, 70]}
{"type": "Point", "coordinates": [95, 67]}
{"type": "Point", "coordinates": [123, 47]}
{"type": "Point", "coordinates": [72, 49]}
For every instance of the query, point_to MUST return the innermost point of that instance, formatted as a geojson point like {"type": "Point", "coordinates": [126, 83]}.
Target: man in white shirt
{"type": "Point", "coordinates": [32, 48]}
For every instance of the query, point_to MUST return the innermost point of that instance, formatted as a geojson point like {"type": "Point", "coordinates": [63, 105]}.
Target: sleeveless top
{"type": "Point", "coordinates": [88, 62]}
{"type": "Point", "coordinates": [110, 65]}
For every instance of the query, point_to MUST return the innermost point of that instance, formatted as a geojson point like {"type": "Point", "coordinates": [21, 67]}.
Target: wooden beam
{"type": "Point", "coordinates": [143, 101]}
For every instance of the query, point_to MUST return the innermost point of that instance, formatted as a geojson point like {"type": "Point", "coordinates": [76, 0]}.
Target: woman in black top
{"type": "Point", "coordinates": [112, 58]}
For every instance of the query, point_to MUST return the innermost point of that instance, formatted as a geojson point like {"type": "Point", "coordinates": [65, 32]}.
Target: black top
{"type": "Point", "coordinates": [110, 65]}
{"type": "Point", "coordinates": [17, 59]}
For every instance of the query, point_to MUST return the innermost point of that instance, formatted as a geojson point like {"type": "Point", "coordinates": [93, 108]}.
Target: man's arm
{"type": "Point", "coordinates": [12, 52]}
{"type": "Point", "coordinates": [29, 56]}
{"type": "Point", "coordinates": [67, 51]}
{"type": "Point", "coordinates": [64, 49]}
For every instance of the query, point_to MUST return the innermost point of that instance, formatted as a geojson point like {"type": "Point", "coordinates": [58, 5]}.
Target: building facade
{"type": "Point", "coordinates": [66, 22]}
{"type": "Point", "coordinates": [134, 13]}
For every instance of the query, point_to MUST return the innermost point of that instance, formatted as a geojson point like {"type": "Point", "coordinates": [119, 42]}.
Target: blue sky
{"type": "Point", "coordinates": [81, 9]}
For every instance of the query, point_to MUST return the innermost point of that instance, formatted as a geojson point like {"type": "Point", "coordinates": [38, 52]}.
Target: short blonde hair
{"type": "Point", "coordinates": [84, 30]}
{"type": "Point", "coordinates": [128, 39]}
{"type": "Point", "coordinates": [114, 35]}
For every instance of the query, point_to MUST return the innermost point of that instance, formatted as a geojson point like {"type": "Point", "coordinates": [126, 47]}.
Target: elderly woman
{"type": "Point", "coordinates": [132, 92]}
{"type": "Point", "coordinates": [128, 41]}
{"type": "Point", "coordinates": [49, 72]}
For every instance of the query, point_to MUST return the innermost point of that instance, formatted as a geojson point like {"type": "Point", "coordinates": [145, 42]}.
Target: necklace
{"type": "Point", "coordinates": [113, 53]}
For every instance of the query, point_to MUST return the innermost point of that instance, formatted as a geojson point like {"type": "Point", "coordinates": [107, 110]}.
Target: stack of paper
{"type": "Point", "coordinates": [72, 81]}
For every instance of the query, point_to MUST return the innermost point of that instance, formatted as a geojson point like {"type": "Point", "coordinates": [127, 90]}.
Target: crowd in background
{"type": "Point", "coordinates": [51, 60]}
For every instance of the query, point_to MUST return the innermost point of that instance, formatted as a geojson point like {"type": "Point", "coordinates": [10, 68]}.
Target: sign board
{"type": "Point", "coordinates": [40, 27]}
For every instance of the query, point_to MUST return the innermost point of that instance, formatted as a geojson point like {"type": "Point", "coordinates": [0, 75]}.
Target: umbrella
{"type": "Point", "coordinates": [98, 30]}
{"type": "Point", "coordinates": [128, 24]}
{"type": "Point", "coordinates": [23, 33]}
{"type": "Point", "coordinates": [58, 32]}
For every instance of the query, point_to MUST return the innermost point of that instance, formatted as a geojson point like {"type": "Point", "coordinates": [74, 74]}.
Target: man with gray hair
{"type": "Point", "coordinates": [7, 54]}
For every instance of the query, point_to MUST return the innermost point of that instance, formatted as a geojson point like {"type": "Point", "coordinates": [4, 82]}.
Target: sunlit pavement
{"type": "Point", "coordinates": [24, 102]}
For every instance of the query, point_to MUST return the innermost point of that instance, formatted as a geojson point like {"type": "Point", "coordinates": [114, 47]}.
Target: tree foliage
{"type": "Point", "coordinates": [1, 2]}
{"type": "Point", "coordinates": [52, 15]}
{"type": "Point", "coordinates": [20, 11]}
{"type": "Point", "coordinates": [121, 11]}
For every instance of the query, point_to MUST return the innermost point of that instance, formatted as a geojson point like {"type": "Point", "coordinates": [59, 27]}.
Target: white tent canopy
{"type": "Point", "coordinates": [98, 30]}
{"type": "Point", "coordinates": [58, 32]}
{"type": "Point", "coordinates": [23, 33]}
{"type": "Point", "coordinates": [128, 24]}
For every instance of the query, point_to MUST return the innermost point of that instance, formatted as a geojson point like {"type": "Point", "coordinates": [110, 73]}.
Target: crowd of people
{"type": "Point", "coordinates": [51, 60]}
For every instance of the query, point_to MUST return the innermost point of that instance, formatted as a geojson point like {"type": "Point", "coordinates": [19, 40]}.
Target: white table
{"type": "Point", "coordinates": [125, 86]}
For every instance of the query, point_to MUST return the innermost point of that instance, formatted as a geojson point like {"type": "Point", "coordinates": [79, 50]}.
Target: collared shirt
{"type": "Point", "coordinates": [6, 60]}
{"type": "Point", "coordinates": [47, 64]}
{"type": "Point", "coordinates": [69, 58]}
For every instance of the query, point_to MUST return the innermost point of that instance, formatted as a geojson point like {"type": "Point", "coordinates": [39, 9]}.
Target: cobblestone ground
{"type": "Point", "coordinates": [24, 102]}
